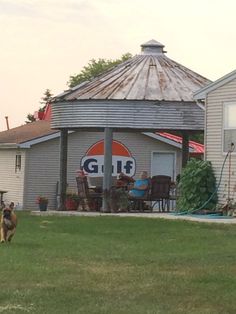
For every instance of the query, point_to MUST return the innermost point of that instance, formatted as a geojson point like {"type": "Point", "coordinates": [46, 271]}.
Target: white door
{"type": "Point", "coordinates": [163, 164]}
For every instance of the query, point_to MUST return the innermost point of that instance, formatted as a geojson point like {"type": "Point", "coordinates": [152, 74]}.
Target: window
{"type": "Point", "coordinates": [18, 163]}
{"type": "Point", "coordinates": [229, 125]}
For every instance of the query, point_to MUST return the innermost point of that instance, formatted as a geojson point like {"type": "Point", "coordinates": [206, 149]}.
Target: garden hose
{"type": "Point", "coordinates": [190, 211]}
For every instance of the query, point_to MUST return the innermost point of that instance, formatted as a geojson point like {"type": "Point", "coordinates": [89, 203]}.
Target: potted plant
{"type": "Point", "coordinates": [43, 203]}
{"type": "Point", "coordinates": [72, 201]}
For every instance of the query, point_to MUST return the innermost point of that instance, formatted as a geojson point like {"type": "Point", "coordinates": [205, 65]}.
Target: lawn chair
{"type": "Point", "coordinates": [89, 198]}
{"type": "Point", "coordinates": [160, 192]}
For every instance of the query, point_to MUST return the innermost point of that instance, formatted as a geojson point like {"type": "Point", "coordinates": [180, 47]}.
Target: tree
{"type": "Point", "coordinates": [197, 137]}
{"type": "Point", "coordinates": [95, 68]}
{"type": "Point", "coordinates": [45, 99]}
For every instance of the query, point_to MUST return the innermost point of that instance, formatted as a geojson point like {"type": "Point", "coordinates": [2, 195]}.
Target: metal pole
{"type": "Point", "coordinates": [107, 178]}
{"type": "Point", "coordinates": [7, 122]}
{"type": "Point", "coordinates": [63, 168]}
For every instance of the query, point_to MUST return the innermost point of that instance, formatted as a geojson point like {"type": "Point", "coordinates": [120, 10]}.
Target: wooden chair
{"type": "Point", "coordinates": [160, 192]}
{"type": "Point", "coordinates": [90, 199]}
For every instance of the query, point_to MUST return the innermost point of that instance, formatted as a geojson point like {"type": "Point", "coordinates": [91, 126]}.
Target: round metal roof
{"type": "Point", "coordinates": [150, 75]}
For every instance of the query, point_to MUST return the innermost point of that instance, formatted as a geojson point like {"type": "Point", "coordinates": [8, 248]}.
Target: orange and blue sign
{"type": "Point", "coordinates": [122, 160]}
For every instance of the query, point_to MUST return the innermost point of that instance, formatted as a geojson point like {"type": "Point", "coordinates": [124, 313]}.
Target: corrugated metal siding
{"type": "Point", "coordinates": [213, 145]}
{"type": "Point", "coordinates": [43, 161]}
{"type": "Point", "coordinates": [130, 115]}
{"type": "Point", "coordinates": [12, 181]}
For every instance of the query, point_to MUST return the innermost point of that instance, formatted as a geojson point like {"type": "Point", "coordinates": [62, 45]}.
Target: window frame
{"type": "Point", "coordinates": [18, 163]}
{"type": "Point", "coordinates": [224, 128]}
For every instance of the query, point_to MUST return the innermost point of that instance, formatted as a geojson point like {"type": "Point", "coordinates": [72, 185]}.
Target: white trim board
{"type": "Point", "coordinates": [201, 94]}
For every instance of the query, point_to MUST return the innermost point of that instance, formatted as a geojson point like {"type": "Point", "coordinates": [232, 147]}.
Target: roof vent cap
{"type": "Point", "coordinates": [152, 47]}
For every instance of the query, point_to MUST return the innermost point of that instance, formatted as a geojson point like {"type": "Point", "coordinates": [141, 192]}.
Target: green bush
{"type": "Point", "coordinates": [197, 184]}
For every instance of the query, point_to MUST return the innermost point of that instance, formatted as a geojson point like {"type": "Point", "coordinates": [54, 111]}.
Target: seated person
{"type": "Point", "coordinates": [123, 180]}
{"type": "Point", "coordinates": [140, 185]}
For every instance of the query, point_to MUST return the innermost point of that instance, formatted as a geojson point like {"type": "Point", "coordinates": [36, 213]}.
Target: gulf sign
{"type": "Point", "coordinates": [122, 160]}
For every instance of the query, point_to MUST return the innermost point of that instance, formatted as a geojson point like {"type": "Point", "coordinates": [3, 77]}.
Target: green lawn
{"type": "Point", "coordinates": [118, 265]}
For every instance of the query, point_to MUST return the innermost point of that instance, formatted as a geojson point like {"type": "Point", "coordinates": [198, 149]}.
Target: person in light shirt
{"type": "Point", "coordinates": [140, 185]}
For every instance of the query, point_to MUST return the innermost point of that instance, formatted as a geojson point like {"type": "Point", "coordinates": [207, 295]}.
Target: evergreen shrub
{"type": "Point", "coordinates": [197, 184]}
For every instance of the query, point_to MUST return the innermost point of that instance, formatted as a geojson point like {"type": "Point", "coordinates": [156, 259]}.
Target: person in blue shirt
{"type": "Point", "coordinates": [140, 185]}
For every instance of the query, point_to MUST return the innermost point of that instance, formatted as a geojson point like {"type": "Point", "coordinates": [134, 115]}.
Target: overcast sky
{"type": "Point", "coordinates": [43, 42]}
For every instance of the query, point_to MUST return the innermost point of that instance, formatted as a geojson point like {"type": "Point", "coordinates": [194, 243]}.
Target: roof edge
{"type": "Point", "coordinates": [8, 145]}
{"type": "Point", "coordinates": [44, 138]}
{"type": "Point", "coordinates": [201, 94]}
{"type": "Point", "coordinates": [166, 140]}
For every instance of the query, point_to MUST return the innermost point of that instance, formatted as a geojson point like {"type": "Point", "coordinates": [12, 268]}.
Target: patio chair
{"type": "Point", "coordinates": [89, 198]}
{"type": "Point", "coordinates": [160, 192]}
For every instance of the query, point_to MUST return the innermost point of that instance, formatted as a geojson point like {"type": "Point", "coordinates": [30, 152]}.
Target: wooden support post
{"type": "Point", "coordinates": [107, 178]}
{"type": "Point", "coordinates": [185, 148]}
{"type": "Point", "coordinates": [63, 168]}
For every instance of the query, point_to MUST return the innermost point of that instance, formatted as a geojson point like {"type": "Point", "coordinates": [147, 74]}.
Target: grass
{"type": "Point", "coordinates": [118, 265]}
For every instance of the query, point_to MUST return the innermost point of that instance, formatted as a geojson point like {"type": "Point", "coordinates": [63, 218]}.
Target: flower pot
{"type": "Point", "coordinates": [43, 206]}
{"type": "Point", "coordinates": [71, 204]}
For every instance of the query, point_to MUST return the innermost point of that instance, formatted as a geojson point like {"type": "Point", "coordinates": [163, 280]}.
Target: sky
{"type": "Point", "coordinates": [43, 42]}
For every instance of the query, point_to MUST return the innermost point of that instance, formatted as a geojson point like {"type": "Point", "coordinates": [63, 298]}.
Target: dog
{"type": "Point", "coordinates": [8, 223]}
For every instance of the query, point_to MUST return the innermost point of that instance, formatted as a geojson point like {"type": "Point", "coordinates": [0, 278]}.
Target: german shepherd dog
{"type": "Point", "coordinates": [8, 223]}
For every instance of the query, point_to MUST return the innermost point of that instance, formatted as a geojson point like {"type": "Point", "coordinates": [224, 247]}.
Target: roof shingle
{"type": "Point", "coordinates": [26, 132]}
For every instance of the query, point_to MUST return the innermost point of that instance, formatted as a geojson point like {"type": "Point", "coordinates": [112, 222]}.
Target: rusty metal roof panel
{"type": "Point", "coordinates": [148, 76]}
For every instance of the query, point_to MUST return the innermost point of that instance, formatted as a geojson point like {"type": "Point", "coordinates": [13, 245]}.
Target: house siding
{"type": "Point", "coordinates": [214, 139]}
{"type": "Point", "coordinates": [10, 180]}
{"type": "Point", "coordinates": [42, 173]}
{"type": "Point", "coordinates": [43, 161]}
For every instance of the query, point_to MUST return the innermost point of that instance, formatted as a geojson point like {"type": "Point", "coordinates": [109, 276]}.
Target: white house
{"type": "Point", "coordinates": [220, 132]}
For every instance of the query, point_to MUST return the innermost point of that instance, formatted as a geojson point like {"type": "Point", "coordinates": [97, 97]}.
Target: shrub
{"type": "Point", "coordinates": [196, 186]}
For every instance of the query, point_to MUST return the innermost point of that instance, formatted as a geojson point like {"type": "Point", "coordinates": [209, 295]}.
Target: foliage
{"type": "Point", "coordinates": [197, 183]}
{"type": "Point", "coordinates": [45, 99]}
{"type": "Point", "coordinates": [95, 68]}
{"type": "Point", "coordinates": [42, 200]}
{"type": "Point", "coordinates": [119, 199]}
{"type": "Point", "coordinates": [72, 196]}
{"type": "Point", "coordinates": [199, 137]}
{"type": "Point", "coordinates": [30, 118]}
{"type": "Point", "coordinates": [116, 265]}
{"type": "Point", "coordinates": [196, 136]}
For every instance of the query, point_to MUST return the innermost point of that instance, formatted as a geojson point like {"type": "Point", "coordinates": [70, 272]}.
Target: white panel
{"type": "Point", "coordinates": [10, 179]}
{"type": "Point", "coordinates": [163, 164]}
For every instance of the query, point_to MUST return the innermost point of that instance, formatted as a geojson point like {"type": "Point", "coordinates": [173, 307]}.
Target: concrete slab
{"type": "Point", "coordinates": [170, 216]}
